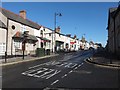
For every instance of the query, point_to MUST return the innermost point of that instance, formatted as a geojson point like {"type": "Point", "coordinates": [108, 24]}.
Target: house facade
{"type": "Point", "coordinates": [46, 38]}
{"type": "Point", "coordinates": [113, 43]}
{"type": "Point", "coordinates": [16, 26]}
{"type": "Point", "coordinates": [111, 33]}
{"type": "Point", "coordinates": [117, 30]}
{"type": "Point", "coordinates": [3, 30]}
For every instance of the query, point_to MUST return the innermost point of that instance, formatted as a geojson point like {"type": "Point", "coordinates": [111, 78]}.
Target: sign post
{"type": "Point", "coordinates": [23, 49]}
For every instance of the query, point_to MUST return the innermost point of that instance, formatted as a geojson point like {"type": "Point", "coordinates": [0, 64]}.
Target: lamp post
{"type": "Point", "coordinates": [55, 15]}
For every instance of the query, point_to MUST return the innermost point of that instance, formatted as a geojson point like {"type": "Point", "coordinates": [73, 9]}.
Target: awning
{"type": "Point", "coordinates": [58, 43]}
{"type": "Point", "coordinates": [29, 39]}
{"type": "Point", "coordinates": [44, 39]}
{"type": "Point", "coordinates": [72, 42]}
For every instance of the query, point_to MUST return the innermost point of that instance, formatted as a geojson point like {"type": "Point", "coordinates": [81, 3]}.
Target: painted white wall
{"type": "Point", "coordinates": [2, 41]}
{"type": "Point", "coordinates": [12, 44]}
{"type": "Point", "coordinates": [3, 18]}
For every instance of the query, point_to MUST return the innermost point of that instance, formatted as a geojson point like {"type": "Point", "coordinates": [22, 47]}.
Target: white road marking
{"type": "Point", "coordinates": [54, 82]}
{"type": "Point", "coordinates": [71, 71]}
{"type": "Point", "coordinates": [31, 71]}
{"type": "Point", "coordinates": [56, 72]}
{"type": "Point", "coordinates": [74, 66]}
{"type": "Point", "coordinates": [64, 76]}
{"type": "Point", "coordinates": [36, 66]}
{"type": "Point", "coordinates": [62, 64]}
{"type": "Point", "coordinates": [42, 73]}
{"type": "Point", "coordinates": [68, 65]}
{"type": "Point", "coordinates": [46, 74]}
{"type": "Point", "coordinates": [79, 65]}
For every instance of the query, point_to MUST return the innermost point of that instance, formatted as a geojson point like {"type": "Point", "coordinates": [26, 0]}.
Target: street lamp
{"type": "Point", "coordinates": [55, 15]}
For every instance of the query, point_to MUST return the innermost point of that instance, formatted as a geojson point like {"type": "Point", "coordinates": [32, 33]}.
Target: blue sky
{"type": "Point", "coordinates": [89, 18]}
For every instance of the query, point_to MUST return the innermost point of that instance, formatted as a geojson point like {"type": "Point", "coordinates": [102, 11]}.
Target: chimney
{"type": "Point", "coordinates": [22, 13]}
{"type": "Point", "coordinates": [57, 29]}
{"type": "Point", "coordinates": [75, 36]}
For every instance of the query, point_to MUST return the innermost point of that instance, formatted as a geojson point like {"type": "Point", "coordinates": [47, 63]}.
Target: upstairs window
{"type": "Point", "coordinates": [49, 34]}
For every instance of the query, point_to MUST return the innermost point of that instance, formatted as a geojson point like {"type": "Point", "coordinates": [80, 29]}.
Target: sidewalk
{"type": "Point", "coordinates": [105, 59]}
{"type": "Point", "coordinates": [16, 60]}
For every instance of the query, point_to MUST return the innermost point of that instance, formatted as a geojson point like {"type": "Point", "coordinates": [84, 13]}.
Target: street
{"type": "Point", "coordinates": [67, 71]}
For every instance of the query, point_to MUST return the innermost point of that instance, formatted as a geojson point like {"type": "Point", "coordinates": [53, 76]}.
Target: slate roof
{"type": "Point", "coordinates": [29, 38]}
{"type": "Point", "coordinates": [17, 18]}
{"type": "Point", "coordinates": [112, 11]}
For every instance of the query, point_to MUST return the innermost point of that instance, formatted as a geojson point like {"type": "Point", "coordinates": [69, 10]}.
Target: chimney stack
{"type": "Point", "coordinates": [57, 29]}
{"type": "Point", "coordinates": [22, 13]}
{"type": "Point", "coordinates": [75, 36]}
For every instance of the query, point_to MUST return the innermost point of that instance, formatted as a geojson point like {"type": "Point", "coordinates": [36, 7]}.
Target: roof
{"type": "Point", "coordinates": [118, 10]}
{"type": "Point", "coordinates": [112, 11]}
{"type": "Point", "coordinates": [111, 14]}
{"type": "Point", "coordinates": [64, 35]}
{"type": "Point", "coordinates": [29, 38]}
{"type": "Point", "coordinates": [17, 18]}
{"type": "Point", "coordinates": [2, 25]}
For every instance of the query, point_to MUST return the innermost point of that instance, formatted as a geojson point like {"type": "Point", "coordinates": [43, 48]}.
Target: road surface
{"type": "Point", "coordinates": [66, 71]}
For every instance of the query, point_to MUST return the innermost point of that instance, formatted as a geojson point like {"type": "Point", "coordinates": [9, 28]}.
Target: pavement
{"type": "Point", "coordinates": [15, 60]}
{"type": "Point", "coordinates": [104, 59]}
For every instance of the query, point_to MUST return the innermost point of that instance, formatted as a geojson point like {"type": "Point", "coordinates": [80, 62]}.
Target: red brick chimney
{"type": "Point", "coordinates": [75, 36]}
{"type": "Point", "coordinates": [22, 13]}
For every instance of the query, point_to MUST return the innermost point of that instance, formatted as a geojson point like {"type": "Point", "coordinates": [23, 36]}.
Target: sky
{"type": "Point", "coordinates": [88, 19]}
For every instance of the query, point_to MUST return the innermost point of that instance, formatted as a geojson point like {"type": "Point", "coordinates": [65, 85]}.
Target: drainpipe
{"type": "Point", "coordinates": [6, 41]}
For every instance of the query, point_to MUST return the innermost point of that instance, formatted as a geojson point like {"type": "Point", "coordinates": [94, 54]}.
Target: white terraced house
{"type": "Point", "coordinates": [12, 37]}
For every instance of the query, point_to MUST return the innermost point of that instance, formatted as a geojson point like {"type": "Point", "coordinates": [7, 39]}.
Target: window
{"type": "Point", "coordinates": [2, 47]}
{"type": "Point", "coordinates": [13, 27]}
{"type": "Point", "coordinates": [17, 45]}
{"type": "Point", "coordinates": [49, 34]}
{"type": "Point", "coordinates": [41, 33]}
{"type": "Point", "coordinates": [44, 29]}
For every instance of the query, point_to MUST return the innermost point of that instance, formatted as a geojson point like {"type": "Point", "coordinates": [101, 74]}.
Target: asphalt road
{"type": "Point", "coordinates": [68, 71]}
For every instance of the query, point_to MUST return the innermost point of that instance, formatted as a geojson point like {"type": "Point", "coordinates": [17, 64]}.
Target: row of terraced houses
{"type": "Point", "coordinates": [13, 29]}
